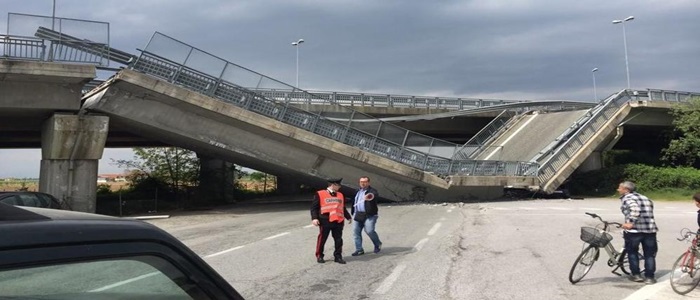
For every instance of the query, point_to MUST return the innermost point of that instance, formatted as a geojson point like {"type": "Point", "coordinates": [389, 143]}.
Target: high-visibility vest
{"type": "Point", "coordinates": [332, 205]}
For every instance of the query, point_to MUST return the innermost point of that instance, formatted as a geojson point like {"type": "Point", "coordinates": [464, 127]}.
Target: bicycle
{"type": "Point", "coordinates": [598, 238]}
{"type": "Point", "coordinates": [685, 274]}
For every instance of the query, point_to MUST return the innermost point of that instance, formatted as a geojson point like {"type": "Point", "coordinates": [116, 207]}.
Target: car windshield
{"type": "Point", "coordinates": [142, 277]}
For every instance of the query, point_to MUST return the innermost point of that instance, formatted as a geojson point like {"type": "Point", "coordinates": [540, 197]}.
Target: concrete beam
{"type": "Point", "coordinates": [40, 85]}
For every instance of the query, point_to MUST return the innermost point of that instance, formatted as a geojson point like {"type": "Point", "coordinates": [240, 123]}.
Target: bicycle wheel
{"type": "Point", "coordinates": [685, 274]}
{"type": "Point", "coordinates": [583, 264]}
{"type": "Point", "coordinates": [624, 262]}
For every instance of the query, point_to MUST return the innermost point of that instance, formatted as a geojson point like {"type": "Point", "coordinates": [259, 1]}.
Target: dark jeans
{"type": "Point", "coordinates": [649, 246]}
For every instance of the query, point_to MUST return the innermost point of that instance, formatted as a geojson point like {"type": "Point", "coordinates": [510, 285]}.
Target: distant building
{"type": "Point", "coordinates": [105, 178]}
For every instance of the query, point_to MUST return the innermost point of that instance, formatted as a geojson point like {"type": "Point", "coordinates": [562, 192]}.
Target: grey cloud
{"type": "Point", "coordinates": [542, 49]}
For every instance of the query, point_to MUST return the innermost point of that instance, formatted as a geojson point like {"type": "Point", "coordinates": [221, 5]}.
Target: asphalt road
{"type": "Point", "coordinates": [495, 250]}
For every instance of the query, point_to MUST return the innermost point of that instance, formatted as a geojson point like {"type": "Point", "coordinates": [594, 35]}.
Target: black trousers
{"type": "Point", "coordinates": [325, 228]}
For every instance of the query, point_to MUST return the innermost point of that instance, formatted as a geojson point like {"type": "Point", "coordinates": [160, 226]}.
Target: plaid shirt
{"type": "Point", "coordinates": [639, 211]}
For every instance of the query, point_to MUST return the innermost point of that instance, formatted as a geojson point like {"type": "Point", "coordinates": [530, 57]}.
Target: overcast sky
{"type": "Point", "coordinates": [520, 49]}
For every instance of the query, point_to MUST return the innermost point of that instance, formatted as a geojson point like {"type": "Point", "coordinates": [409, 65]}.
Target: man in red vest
{"type": "Point", "coordinates": [328, 212]}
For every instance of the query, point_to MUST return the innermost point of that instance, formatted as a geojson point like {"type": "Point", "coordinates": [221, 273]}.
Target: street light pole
{"type": "Point", "coordinates": [53, 15]}
{"type": "Point", "coordinates": [624, 39]}
{"type": "Point", "coordinates": [296, 45]}
{"type": "Point", "coordinates": [595, 93]}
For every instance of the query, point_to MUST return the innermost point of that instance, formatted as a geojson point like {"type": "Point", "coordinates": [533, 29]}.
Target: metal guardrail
{"type": "Point", "coordinates": [482, 138]}
{"type": "Point", "coordinates": [202, 72]}
{"type": "Point", "coordinates": [25, 40]}
{"type": "Point", "coordinates": [85, 46]}
{"type": "Point", "coordinates": [670, 96]}
{"type": "Point", "coordinates": [18, 48]}
{"type": "Point", "coordinates": [379, 100]}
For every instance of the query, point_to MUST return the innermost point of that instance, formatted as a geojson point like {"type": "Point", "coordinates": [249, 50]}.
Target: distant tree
{"type": "Point", "coordinates": [257, 176]}
{"type": "Point", "coordinates": [684, 148]}
{"type": "Point", "coordinates": [104, 189]}
{"type": "Point", "coordinates": [174, 166]}
{"type": "Point", "coordinates": [265, 179]}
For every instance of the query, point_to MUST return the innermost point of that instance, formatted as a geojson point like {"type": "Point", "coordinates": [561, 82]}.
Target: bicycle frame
{"type": "Point", "coordinates": [687, 263]}
{"type": "Point", "coordinates": [613, 254]}
{"type": "Point", "coordinates": [591, 252]}
{"type": "Point", "coordinates": [613, 257]}
{"type": "Point", "coordinates": [691, 266]}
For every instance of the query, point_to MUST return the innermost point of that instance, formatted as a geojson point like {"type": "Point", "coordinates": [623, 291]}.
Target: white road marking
{"type": "Point", "coordinates": [500, 147]}
{"type": "Point", "coordinates": [443, 219]}
{"type": "Point", "coordinates": [449, 210]}
{"type": "Point", "coordinates": [435, 228]}
{"type": "Point", "coordinates": [389, 280]}
{"type": "Point", "coordinates": [107, 287]}
{"type": "Point", "coordinates": [420, 244]}
{"type": "Point", "coordinates": [309, 226]}
{"type": "Point", "coordinates": [224, 252]}
{"type": "Point", "coordinates": [276, 236]}
{"type": "Point", "coordinates": [543, 214]}
{"type": "Point", "coordinates": [649, 290]}
{"type": "Point", "coordinates": [559, 208]}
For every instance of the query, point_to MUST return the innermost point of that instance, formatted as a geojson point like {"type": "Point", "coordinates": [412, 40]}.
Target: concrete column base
{"type": "Point", "coordinates": [216, 181]}
{"type": "Point", "coordinates": [80, 191]}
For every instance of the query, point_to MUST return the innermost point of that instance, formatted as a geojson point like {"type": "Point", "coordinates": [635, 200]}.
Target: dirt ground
{"type": "Point", "coordinates": [16, 186]}
{"type": "Point", "coordinates": [116, 186]}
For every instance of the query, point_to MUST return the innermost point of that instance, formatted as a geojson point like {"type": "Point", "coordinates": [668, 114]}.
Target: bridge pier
{"type": "Point", "coordinates": [216, 180]}
{"type": "Point", "coordinates": [288, 185]}
{"type": "Point", "coordinates": [593, 162]}
{"type": "Point", "coordinates": [71, 146]}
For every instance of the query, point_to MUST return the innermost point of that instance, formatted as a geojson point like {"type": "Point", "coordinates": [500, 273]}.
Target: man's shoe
{"type": "Point", "coordinates": [636, 278]}
{"type": "Point", "coordinates": [320, 260]}
{"type": "Point", "coordinates": [649, 280]}
{"type": "Point", "coordinates": [378, 248]}
{"type": "Point", "coordinates": [358, 253]}
{"type": "Point", "coordinates": [340, 260]}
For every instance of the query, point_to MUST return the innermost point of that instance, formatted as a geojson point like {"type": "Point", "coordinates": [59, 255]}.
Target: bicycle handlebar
{"type": "Point", "coordinates": [687, 234]}
{"type": "Point", "coordinates": [593, 215]}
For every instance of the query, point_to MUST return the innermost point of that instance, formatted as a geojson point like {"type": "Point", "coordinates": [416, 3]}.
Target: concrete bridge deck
{"type": "Point", "coordinates": [162, 111]}
{"type": "Point", "coordinates": [530, 134]}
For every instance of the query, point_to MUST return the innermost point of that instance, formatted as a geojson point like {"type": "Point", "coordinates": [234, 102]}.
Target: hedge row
{"type": "Point", "coordinates": [647, 178]}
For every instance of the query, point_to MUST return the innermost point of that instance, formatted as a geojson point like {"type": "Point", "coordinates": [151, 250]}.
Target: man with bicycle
{"type": "Point", "coordinates": [641, 228]}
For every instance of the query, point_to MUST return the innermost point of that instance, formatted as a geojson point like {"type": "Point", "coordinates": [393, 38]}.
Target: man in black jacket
{"type": "Point", "coordinates": [364, 212]}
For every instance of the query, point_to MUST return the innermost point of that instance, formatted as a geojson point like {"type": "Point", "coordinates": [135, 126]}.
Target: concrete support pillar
{"type": "Point", "coordinates": [216, 180]}
{"type": "Point", "coordinates": [71, 147]}
{"type": "Point", "coordinates": [288, 186]}
{"type": "Point", "coordinates": [593, 162]}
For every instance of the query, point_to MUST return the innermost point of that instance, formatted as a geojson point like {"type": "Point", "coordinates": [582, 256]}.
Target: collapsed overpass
{"type": "Point", "coordinates": [213, 107]}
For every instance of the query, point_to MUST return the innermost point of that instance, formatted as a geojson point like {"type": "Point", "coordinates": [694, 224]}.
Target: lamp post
{"type": "Point", "coordinates": [296, 45]}
{"type": "Point", "coordinates": [624, 38]}
{"type": "Point", "coordinates": [53, 15]}
{"type": "Point", "coordinates": [595, 93]}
